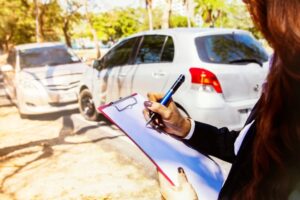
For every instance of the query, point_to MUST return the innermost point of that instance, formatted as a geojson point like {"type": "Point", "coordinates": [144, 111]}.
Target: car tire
{"type": "Point", "coordinates": [23, 116]}
{"type": "Point", "coordinates": [87, 106]}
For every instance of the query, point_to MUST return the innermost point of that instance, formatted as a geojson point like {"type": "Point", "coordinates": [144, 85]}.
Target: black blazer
{"type": "Point", "coordinates": [210, 140]}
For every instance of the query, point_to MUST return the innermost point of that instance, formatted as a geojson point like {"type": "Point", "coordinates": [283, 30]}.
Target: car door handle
{"type": "Point", "coordinates": [159, 74]}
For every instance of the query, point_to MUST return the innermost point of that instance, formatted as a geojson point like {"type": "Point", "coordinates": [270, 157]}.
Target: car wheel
{"type": "Point", "coordinates": [87, 106]}
{"type": "Point", "coordinates": [23, 116]}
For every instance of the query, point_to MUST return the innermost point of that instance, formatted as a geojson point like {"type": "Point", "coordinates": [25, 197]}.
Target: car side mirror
{"type": "Point", "coordinates": [97, 64]}
{"type": "Point", "coordinates": [6, 68]}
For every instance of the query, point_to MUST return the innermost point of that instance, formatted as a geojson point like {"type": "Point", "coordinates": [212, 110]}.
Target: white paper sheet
{"type": "Point", "coordinates": [166, 152]}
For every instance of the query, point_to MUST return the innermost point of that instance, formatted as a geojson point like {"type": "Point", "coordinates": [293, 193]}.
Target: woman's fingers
{"type": "Point", "coordinates": [158, 108]}
{"type": "Point", "coordinates": [182, 179]}
{"type": "Point", "coordinates": [183, 191]}
{"type": "Point", "coordinates": [155, 96]}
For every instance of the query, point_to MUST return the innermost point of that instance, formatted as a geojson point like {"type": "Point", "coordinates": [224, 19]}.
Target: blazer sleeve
{"type": "Point", "coordinates": [213, 141]}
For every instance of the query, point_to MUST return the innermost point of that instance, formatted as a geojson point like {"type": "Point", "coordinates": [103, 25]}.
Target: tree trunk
{"type": "Point", "coordinates": [189, 9]}
{"type": "Point", "coordinates": [94, 32]}
{"type": "Point", "coordinates": [149, 10]}
{"type": "Point", "coordinates": [38, 33]}
{"type": "Point", "coordinates": [166, 21]}
{"type": "Point", "coordinates": [7, 41]}
{"type": "Point", "coordinates": [66, 32]}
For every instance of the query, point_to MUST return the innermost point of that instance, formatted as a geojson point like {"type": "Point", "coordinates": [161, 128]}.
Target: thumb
{"type": "Point", "coordinates": [182, 179]}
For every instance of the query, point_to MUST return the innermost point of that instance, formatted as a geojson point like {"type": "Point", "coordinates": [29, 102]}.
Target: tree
{"type": "Point", "coordinates": [211, 10]}
{"type": "Point", "coordinates": [88, 17]}
{"type": "Point", "coordinates": [179, 21]}
{"type": "Point", "coordinates": [118, 23]}
{"type": "Point", "coordinates": [149, 11]}
{"type": "Point", "coordinates": [189, 9]}
{"type": "Point", "coordinates": [167, 12]}
{"type": "Point", "coordinates": [16, 26]}
{"type": "Point", "coordinates": [70, 16]}
{"type": "Point", "coordinates": [38, 22]}
{"type": "Point", "coordinates": [47, 13]}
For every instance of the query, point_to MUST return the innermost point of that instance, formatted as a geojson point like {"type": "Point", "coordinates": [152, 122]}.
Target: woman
{"type": "Point", "coordinates": [266, 163]}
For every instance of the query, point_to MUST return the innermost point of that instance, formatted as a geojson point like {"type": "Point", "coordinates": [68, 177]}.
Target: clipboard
{"type": "Point", "coordinates": [165, 151]}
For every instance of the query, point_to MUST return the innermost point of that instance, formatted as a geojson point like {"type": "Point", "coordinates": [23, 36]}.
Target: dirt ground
{"type": "Point", "coordinates": [57, 158]}
{"type": "Point", "coordinates": [54, 159]}
{"type": "Point", "coordinates": [61, 156]}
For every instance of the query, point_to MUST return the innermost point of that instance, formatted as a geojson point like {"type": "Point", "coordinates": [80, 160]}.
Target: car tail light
{"type": "Point", "coordinates": [206, 78]}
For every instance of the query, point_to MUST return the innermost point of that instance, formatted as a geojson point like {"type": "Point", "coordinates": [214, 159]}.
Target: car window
{"type": "Point", "coordinates": [11, 58]}
{"type": "Point", "coordinates": [151, 49]}
{"type": "Point", "coordinates": [51, 56]}
{"type": "Point", "coordinates": [168, 52]}
{"type": "Point", "coordinates": [230, 47]}
{"type": "Point", "coordinates": [120, 54]}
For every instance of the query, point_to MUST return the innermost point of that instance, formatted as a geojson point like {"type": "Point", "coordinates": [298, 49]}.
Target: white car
{"type": "Point", "coordinates": [224, 71]}
{"type": "Point", "coordinates": [43, 78]}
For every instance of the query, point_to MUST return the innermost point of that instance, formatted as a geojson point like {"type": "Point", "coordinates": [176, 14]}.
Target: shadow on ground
{"type": "Point", "coordinates": [47, 144]}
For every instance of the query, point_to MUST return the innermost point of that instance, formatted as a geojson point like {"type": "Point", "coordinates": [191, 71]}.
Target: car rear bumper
{"type": "Point", "coordinates": [212, 109]}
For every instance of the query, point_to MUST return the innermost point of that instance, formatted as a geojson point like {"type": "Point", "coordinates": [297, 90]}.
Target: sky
{"type": "Point", "coordinates": [105, 5]}
{"type": "Point", "coordinates": [110, 4]}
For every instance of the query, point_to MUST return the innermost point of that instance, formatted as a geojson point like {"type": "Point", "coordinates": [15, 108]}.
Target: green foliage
{"type": "Point", "coordinates": [220, 13]}
{"type": "Point", "coordinates": [115, 24]}
{"type": "Point", "coordinates": [52, 21]}
{"type": "Point", "coordinates": [178, 21]}
{"type": "Point", "coordinates": [67, 21]}
{"type": "Point", "coordinates": [16, 26]}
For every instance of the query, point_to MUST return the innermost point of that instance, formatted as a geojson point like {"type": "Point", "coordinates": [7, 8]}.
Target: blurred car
{"type": "Point", "coordinates": [43, 78]}
{"type": "Point", "coordinates": [224, 71]}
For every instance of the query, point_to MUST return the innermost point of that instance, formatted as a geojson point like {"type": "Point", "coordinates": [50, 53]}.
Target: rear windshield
{"type": "Point", "coordinates": [51, 56]}
{"type": "Point", "coordinates": [230, 48]}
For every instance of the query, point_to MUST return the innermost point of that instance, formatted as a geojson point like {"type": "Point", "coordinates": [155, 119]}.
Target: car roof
{"type": "Point", "coordinates": [38, 45]}
{"type": "Point", "coordinates": [190, 31]}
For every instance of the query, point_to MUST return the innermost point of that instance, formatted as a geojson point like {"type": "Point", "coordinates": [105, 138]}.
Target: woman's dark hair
{"type": "Point", "coordinates": [276, 153]}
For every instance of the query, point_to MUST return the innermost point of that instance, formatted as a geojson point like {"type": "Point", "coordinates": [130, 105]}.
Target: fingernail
{"type": "Point", "coordinates": [147, 103]}
{"type": "Point", "coordinates": [180, 170]}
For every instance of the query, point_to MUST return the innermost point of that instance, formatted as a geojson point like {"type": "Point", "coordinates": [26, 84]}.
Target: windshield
{"type": "Point", "coordinates": [230, 49]}
{"type": "Point", "coordinates": [51, 56]}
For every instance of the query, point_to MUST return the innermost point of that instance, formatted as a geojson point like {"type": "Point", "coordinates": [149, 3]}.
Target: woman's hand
{"type": "Point", "coordinates": [172, 121]}
{"type": "Point", "coordinates": [184, 190]}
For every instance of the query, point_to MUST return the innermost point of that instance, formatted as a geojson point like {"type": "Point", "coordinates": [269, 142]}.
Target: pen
{"type": "Point", "coordinates": [167, 96]}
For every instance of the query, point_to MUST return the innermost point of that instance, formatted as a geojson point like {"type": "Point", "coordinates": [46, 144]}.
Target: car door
{"type": "Point", "coordinates": [154, 64]}
{"type": "Point", "coordinates": [108, 79]}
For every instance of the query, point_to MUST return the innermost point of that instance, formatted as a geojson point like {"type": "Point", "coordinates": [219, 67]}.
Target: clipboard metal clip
{"type": "Point", "coordinates": [124, 103]}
